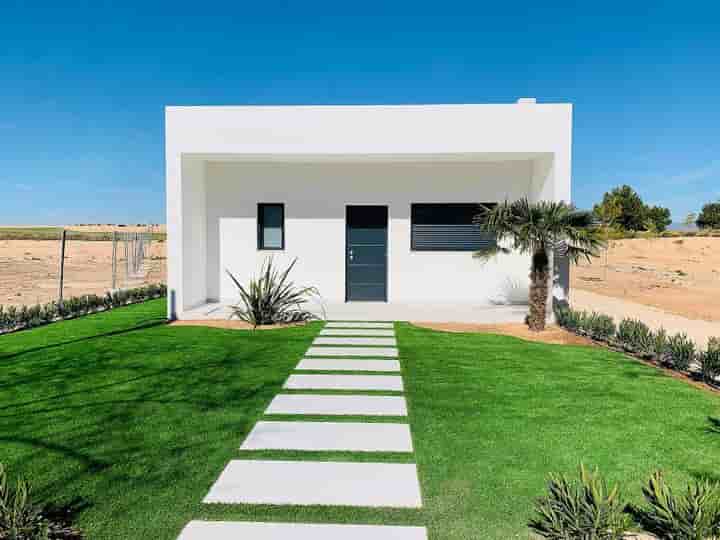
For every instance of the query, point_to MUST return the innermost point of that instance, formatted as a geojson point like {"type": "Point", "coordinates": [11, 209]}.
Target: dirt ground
{"type": "Point", "coordinates": [677, 275]}
{"type": "Point", "coordinates": [29, 269]}
{"type": "Point", "coordinates": [553, 335]}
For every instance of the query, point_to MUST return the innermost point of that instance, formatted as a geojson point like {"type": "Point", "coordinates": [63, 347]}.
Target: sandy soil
{"type": "Point", "coordinates": [232, 325]}
{"type": "Point", "coordinates": [677, 275]}
{"type": "Point", "coordinates": [553, 335]}
{"type": "Point", "coordinates": [29, 269]}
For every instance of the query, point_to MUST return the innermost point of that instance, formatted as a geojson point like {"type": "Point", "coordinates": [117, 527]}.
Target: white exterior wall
{"type": "Point", "coordinates": [222, 161]}
{"type": "Point", "coordinates": [315, 204]}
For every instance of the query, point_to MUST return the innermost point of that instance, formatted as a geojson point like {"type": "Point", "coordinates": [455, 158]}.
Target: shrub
{"type": "Point", "coordinates": [567, 317]}
{"type": "Point", "coordinates": [600, 327]}
{"type": "Point", "coordinates": [634, 335]}
{"type": "Point", "coordinates": [680, 352]}
{"type": "Point", "coordinates": [586, 509]}
{"type": "Point", "coordinates": [693, 516]}
{"type": "Point", "coordinates": [21, 519]}
{"type": "Point", "coordinates": [659, 343]}
{"type": "Point", "coordinates": [13, 318]}
{"type": "Point", "coordinates": [710, 361]}
{"type": "Point", "coordinates": [271, 299]}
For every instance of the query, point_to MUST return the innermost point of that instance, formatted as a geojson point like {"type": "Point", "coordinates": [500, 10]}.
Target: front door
{"type": "Point", "coordinates": [366, 253]}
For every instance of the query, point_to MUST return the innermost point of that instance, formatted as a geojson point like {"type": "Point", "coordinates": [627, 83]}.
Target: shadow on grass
{"type": "Point", "coordinates": [713, 425]}
{"type": "Point", "coordinates": [142, 326]}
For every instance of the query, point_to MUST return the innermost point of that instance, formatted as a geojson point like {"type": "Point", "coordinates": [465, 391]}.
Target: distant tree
{"type": "Point", "coordinates": [630, 213]}
{"type": "Point", "coordinates": [627, 205]}
{"type": "Point", "coordinates": [709, 217]}
{"type": "Point", "coordinates": [658, 218]}
{"type": "Point", "coordinates": [690, 219]}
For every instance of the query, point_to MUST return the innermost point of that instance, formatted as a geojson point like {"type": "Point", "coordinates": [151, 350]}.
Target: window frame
{"type": "Point", "coordinates": [413, 246]}
{"type": "Point", "coordinates": [260, 226]}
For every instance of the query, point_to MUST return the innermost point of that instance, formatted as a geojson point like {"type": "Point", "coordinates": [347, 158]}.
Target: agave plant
{"type": "Point", "coordinates": [693, 516]}
{"type": "Point", "coordinates": [586, 509]}
{"type": "Point", "coordinates": [19, 517]}
{"type": "Point", "coordinates": [271, 298]}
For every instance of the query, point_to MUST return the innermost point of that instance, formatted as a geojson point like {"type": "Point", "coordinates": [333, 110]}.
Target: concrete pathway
{"type": "Point", "coordinates": [329, 405]}
{"type": "Point", "coordinates": [224, 530]}
{"type": "Point", "coordinates": [352, 347]}
{"type": "Point", "coordinates": [343, 364]}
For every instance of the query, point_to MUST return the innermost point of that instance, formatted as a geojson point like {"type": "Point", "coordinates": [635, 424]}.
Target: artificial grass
{"type": "Point", "coordinates": [132, 420]}
{"type": "Point", "coordinates": [128, 420]}
{"type": "Point", "coordinates": [493, 415]}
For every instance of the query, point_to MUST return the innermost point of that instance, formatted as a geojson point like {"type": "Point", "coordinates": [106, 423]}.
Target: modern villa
{"type": "Point", "coordinates": [375, 202]}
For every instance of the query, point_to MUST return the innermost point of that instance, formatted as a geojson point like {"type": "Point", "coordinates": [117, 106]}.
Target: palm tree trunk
{"type": "Point", "coordinates": [539, 278]}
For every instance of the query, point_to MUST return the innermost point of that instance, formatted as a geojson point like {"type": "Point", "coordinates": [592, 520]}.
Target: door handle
{"type": "Point", "coordinates": [350, 254]}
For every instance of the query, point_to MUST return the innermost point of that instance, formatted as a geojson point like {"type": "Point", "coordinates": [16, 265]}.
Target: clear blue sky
{"type": "Point", "coordinates": [82, 88]}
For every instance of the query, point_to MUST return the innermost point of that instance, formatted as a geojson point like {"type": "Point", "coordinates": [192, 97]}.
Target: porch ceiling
{"type": "Point", "coordinates": [369, 158]}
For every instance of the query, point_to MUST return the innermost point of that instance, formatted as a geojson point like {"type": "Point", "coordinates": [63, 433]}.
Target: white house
{"type": "Point", "coordinates": [376, 202]}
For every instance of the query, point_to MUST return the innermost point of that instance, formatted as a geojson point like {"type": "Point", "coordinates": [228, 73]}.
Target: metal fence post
{"type": "Point", "coordinates": [61, 267]}
{"type": "Point", "coordinates": [114, 261]}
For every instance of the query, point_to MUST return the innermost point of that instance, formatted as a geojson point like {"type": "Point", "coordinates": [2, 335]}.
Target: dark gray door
{"type": "Point", "coordinates": [366, 253]}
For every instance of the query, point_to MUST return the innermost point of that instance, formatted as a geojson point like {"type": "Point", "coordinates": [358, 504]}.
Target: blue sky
{"type": "Point", "coordinates": [83, 86]}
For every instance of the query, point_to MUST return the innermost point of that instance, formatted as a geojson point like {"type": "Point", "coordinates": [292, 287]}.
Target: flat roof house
{"type": "Point", "coordinates": [376, 202]}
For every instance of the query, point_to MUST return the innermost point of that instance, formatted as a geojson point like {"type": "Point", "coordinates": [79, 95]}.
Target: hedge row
{"type": "Point", "coordinates": [17, 318]}
{"type": "Point", "coordinates": [676, 352]}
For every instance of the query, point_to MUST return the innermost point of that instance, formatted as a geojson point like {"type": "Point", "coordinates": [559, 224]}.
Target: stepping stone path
{"type": "Point", "coordinates": [367, 352]}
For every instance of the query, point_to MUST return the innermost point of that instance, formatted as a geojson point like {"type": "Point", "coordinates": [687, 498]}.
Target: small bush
{"type": "Point", "coordinates": [21, 519]}
{"type": "Point", "coordinates": [600, 327]}
{"type": "Point", "coordinates": [710, 361]}
{"type": "Point", "coordinates": [586, 509]}
{"type": "Point", "coordinates": [271, 298]}
{"type": "Point", "coordinates": [567, 317]}
{"type": "Point", "coordinates": [680, 352]}
{"type": "Point", "coordinates": [659, 343]}
{"type": "Point", "coordinates": [635, 336]}
{"type": "Point", "coordinates": [13, 318]}
{"type": "Point", "coordinates": [693, 516]}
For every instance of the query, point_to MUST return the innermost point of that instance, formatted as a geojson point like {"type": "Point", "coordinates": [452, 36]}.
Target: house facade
{"type": "Point", "coordinates": [375, 202]}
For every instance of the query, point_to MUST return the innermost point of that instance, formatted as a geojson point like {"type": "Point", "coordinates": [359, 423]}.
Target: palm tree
{"type": "Point", "coordinates": [536, 229]}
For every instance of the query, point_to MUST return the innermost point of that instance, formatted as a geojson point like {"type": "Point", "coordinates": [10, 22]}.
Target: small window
{"type": "Point", "coordinates": [448, 227]}
{"type": "Point", "coordinates": [271, 226]}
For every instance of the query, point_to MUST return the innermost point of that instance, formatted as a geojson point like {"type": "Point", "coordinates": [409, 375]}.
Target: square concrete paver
{"type": "Point", "coordinates": [359, 324]}
{"type": "Point", "coordinates": [389, 352]}
{"type": "Point", "coordinates": [344, 382]}
{"type": "Point", "coordinates": [329, 436]}
{"type": "Point", "coordinates": [332, 340]}
{"type": "Point", "coordinates": [304, 404]}
{"type": "Point", "coordinates": [357, 332]}
{"type": "Point", "coordinates": [345, 364]}
{"type": "Point", "coordinates": [317, 483]}
{"type": "Point", "coordinates": [237, 530]}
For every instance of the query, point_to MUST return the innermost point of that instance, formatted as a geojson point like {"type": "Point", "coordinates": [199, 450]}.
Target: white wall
{"type": "Point", "coordinates": [315, 196]}
{"type": "Point", "coordinates": [220, 161]}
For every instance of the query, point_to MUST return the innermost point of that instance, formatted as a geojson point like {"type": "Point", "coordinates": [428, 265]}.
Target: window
{"type": "Point", "coordinates": [271, 226]}
{"type": "Point", "coordinates": [447, 227]}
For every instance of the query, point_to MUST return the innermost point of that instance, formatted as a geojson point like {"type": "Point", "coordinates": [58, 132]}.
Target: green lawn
{"type": "Point", "coordinates": [131, 421]}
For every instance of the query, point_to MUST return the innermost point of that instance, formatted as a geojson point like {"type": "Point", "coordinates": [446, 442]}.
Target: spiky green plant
{"type": "Point", "coordinates": [20, 519]}
{"type": "Point", "coordinates": [537, 229]}
{"type": "Point", "coordinates": [693, 516]}
{"type": "Point", "coordinates": [710, 361]}
{"type": "Point", "coordinates": [680, 352]}
{"type": "Point", "coordinates": [585, 509]}
{"type": "Point", "coordinates": [272, 298]}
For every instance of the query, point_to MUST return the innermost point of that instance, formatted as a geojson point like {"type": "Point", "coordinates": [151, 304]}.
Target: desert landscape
{"type": "Point", "coordinates": [676, 275]}
{"type": "Point", "coordinates": [29, 268]}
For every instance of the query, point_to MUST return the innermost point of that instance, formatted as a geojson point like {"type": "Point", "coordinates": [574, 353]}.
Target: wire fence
{"type": "Point", "coordinates": [78, 263]}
